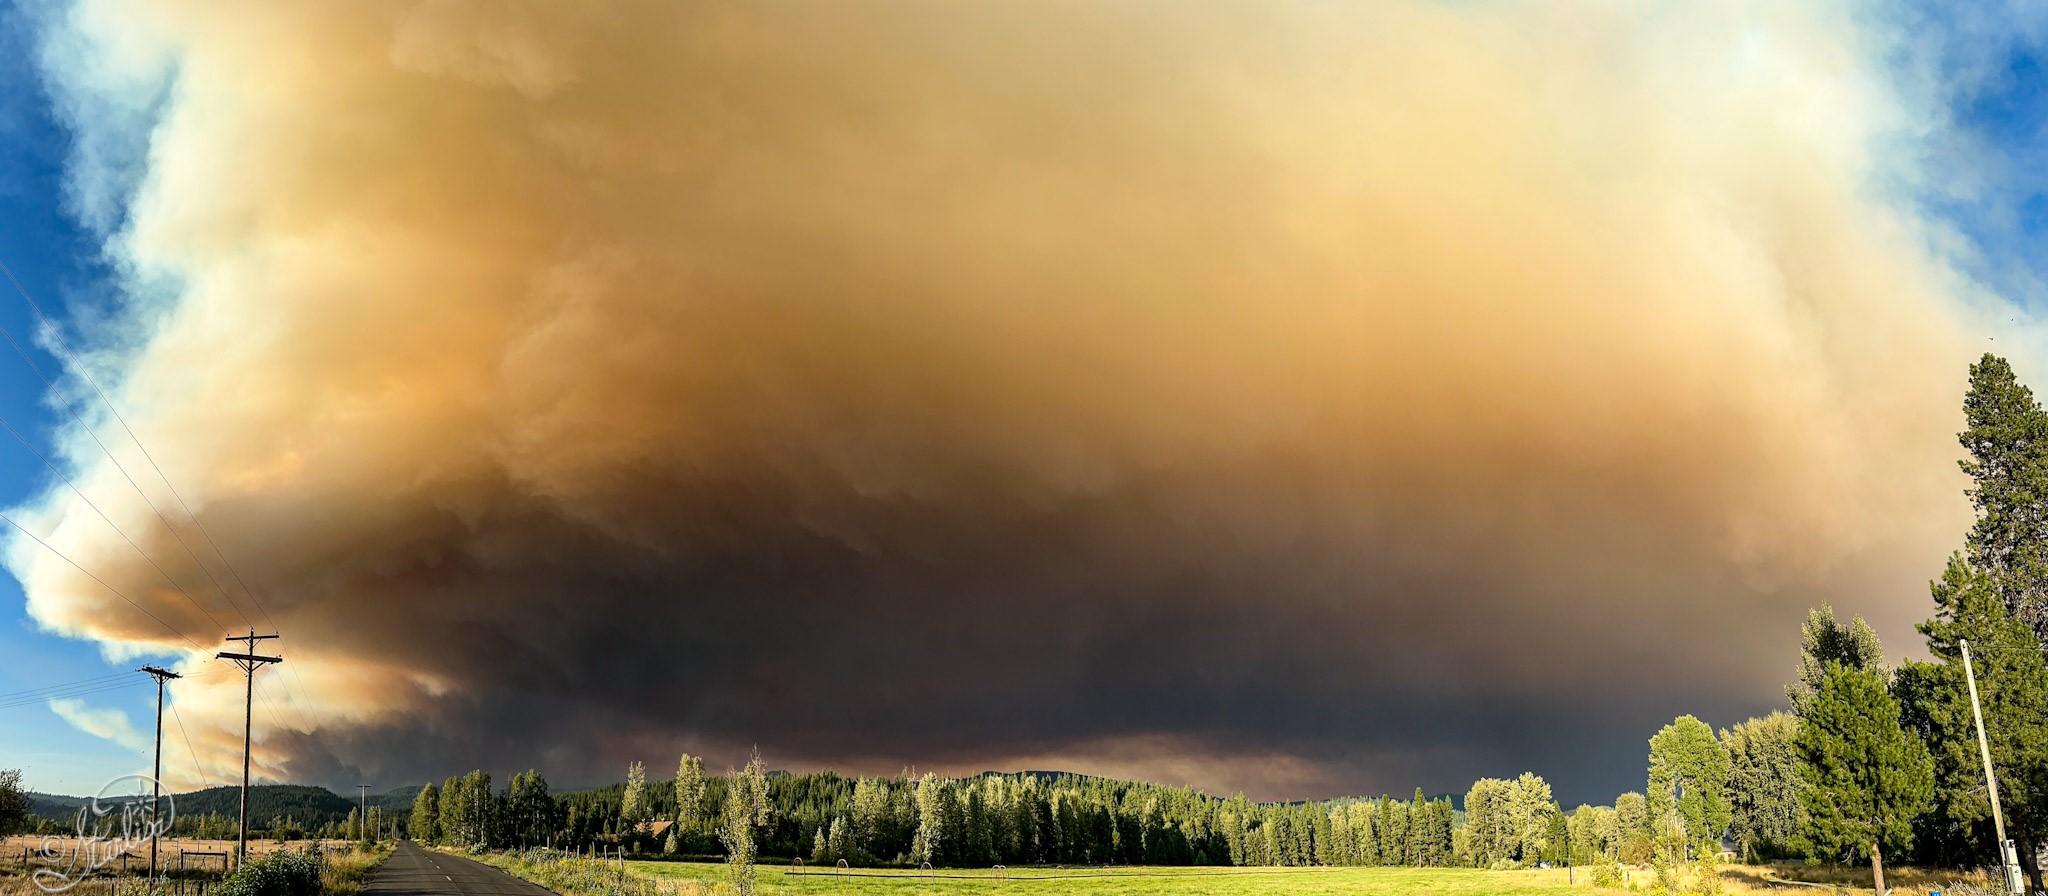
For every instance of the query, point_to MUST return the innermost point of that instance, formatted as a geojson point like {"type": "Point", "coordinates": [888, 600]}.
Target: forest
{"type": "Point", "coordinates": [1867, 760]}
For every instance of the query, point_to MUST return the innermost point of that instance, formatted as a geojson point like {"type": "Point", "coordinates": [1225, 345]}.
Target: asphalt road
{"type": "Point", "coordinates": [412, 871]}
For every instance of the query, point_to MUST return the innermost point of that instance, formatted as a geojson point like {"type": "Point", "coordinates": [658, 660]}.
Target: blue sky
{"type": "Point", "coordinates": [57, 261]}
{"type": "Point", "coordinates": [1982, 170]}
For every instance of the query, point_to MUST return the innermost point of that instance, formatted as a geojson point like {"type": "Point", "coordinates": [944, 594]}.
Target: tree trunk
{"type": "Point", "coordinates": [1877, 868]}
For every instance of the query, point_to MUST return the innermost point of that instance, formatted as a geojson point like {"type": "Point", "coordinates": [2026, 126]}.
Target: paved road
{"type": "Point", "coordinates": [412, 871]}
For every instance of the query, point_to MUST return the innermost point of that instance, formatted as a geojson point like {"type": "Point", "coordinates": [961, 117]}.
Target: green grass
{"type": "Point", "coordinates": [1174, 881]}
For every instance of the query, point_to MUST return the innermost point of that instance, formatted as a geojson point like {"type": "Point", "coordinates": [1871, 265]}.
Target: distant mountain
{"type": "Point", "coordinates": [399, 798]}
{"type": "Point", "coordinates": [306, 804]}
{"type": "Point", "coordinates": [50, 805]}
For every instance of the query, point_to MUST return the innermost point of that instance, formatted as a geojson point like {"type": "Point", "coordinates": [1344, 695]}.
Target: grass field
{"type": "Point", "coordinates": [691, 877]}
{"type": "Point", "coordinates": [1175, 881]}
{"type": "Point", "coordinates": [12, 849]}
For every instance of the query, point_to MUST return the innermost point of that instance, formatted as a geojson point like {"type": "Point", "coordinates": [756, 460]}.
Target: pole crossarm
{"type": "Point", "coordinates": [156, 786]}
{"type": "Point", "coordinates": [248, 661]}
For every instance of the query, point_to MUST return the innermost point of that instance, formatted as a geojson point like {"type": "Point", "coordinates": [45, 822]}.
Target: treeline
{"type": "Point", "coordinates": [1026, 818]}
{"type": "Point", "coordinates": [1879, 761]}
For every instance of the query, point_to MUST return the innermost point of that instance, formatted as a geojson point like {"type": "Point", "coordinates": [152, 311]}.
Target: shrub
{"type": "Point", "coordinates": [282, 873]}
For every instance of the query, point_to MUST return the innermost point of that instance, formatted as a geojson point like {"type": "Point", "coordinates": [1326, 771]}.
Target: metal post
{"type": "Point", "coordinates": [2007, 859]}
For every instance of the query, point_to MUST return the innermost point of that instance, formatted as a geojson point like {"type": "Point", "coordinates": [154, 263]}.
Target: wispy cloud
{"type": "Point", "coordinates": [103, 722]}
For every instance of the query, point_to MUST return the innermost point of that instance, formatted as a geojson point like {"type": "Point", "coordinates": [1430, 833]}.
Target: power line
{"type": "Point", "coordinates": [86, 375]}
{"type": "Point", "coordinates": [102, 582]}
{"type": "Point", "coordinates": [52, 467]}
{"type": "Point", "coordinates": [41, 699]}
{"type": "Point", "coordinates": [86, 688]}
{"type": "Point", "coordinates": [196, 767]}
{"type": "Point", "coordinates": [103, 678]}
{"type": "Point", "coordinates": [92, 434]}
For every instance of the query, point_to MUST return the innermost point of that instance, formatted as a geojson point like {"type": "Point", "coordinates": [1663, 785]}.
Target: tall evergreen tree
{"type": "Point", "coordinates": [2006, 438]}
{"type": "Point", "coordinates": [1825, 639]}
{"type": "Point", "coordinates": [1867, 776]}
{"type": "Point", "coordinates": [2012, 681]}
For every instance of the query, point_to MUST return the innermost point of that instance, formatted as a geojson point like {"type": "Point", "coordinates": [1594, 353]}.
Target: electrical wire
{"type": "Point", "coordinates": [102, 678]}
{"type": "Point", "coordinates": [197, 768]}
{"type": "Point", "coordinates": [50, 384]}
{"type": "Point", "coordinates": [102, 582]}
{"type": "Point", "coordinates": [86, 375]}
{"type": "Point", "coordinates": [52, 467]}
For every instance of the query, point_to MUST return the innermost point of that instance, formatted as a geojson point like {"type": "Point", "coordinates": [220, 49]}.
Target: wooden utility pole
{"type": "Point", "coordinates": [249, 661]}
{"type": "Point", "coordinates": [363, 812]}
{"type": "Point", "coordinates": [2006, 862]}
{"type": "Point", "coordinates": [156, 787]}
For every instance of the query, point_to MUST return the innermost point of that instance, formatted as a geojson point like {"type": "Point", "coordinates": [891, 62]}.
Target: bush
{"type": "Point", "coordinates": [282, 873]}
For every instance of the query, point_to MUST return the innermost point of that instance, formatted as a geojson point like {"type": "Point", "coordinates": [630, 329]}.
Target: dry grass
{"type": "Point", "coordinates": [169, 850]}
{"type": "Point", "coordinates": [1844, 879]}
{"type": "Point", "coordinates": [343, 873]}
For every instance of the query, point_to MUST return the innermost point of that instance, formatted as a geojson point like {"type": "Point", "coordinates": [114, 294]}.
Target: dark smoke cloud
{"type": "Point", "coordinates": [1302, 399]}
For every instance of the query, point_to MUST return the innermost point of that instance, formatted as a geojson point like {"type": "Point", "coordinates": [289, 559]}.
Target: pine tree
{"type": "Point", "coordinates": [2012, 681]}
{"type": "Point", "coordinates": [1867, 776]}
{"type": "Point", "coordinates": [1825, 639]}
{"type": "Point", "coordinates": [2007, 442]}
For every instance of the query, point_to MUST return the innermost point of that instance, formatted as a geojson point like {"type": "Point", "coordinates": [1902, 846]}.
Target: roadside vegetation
{"type": "Point", "coordinates": [1869, 762]}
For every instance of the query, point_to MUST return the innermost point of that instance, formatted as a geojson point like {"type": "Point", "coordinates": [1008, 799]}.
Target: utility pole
{"type": "Point", "coordinates": [156, 787]}
{"type": "Point", "coordinates": [249, 661]}
{"type": "Point", "coordinates": [2008, 860]}
{"type": "Point", "coordinates": [363, 812]}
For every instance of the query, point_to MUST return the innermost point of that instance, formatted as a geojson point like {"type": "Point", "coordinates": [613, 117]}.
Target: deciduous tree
{"type": "Point", "coordinates": [1689, 782]}
{"type": "Point", "coordinates": [1765, 789]}
{"type": "Point", "coordinates": [426, 814]}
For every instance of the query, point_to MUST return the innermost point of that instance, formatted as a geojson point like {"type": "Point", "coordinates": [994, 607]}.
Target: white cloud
{"type": "Point", "coordinates": [105, 723]}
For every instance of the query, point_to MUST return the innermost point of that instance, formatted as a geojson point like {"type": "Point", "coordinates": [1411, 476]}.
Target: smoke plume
{"type": "Point", "coordinates": [1305, 399]}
